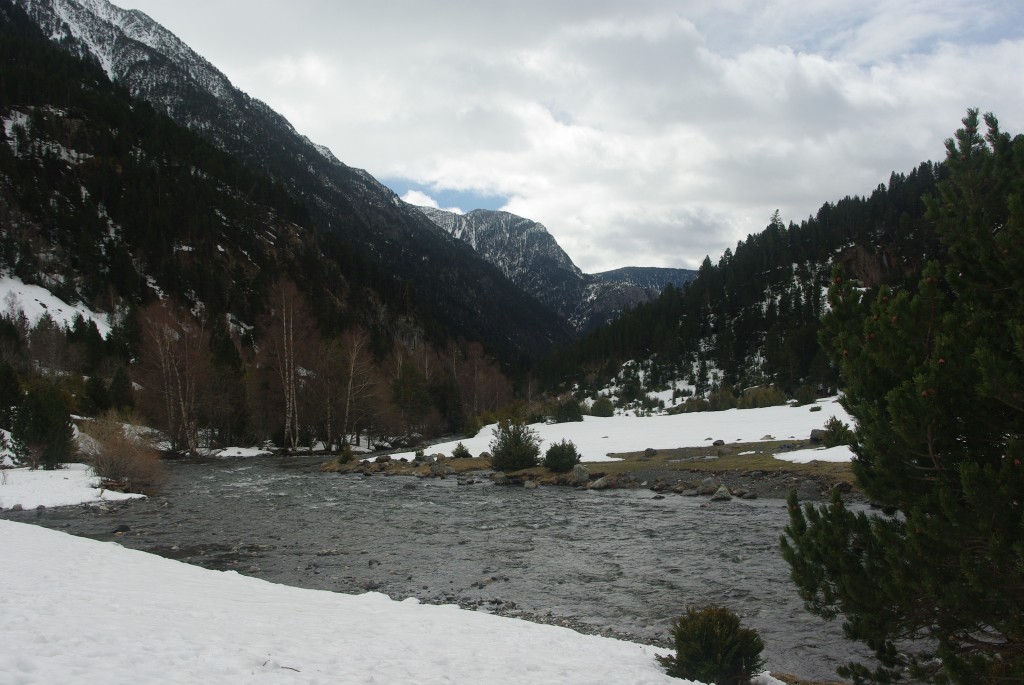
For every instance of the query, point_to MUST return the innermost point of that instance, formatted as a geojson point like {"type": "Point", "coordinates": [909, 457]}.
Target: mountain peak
{"type": "Point", "coordinates": [530, 256]}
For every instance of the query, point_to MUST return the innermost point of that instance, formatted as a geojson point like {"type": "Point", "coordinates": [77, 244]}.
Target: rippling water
{"type": "Point", "coordinates": [613, 559]}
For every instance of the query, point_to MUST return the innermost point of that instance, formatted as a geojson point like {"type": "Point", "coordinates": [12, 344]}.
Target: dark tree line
{"type": "Point", "coordinates": [754, 317]}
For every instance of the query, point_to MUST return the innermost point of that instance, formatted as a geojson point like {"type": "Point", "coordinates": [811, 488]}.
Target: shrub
{"type": "Point", "coordinates": [515, 446]}
{"type": "Point", "coordinates": [602, 407]}
{"type": "Point", "coordinates": [693, 404]}
{"type": "Point", "coordinates": [461, 452]}
{"type": "Point", "coordinates": [472, 426]}
{"type": "Point", "coordinates": [713, 648]}
{"type": "Point", "coordinates": [345, 454]}
{"type": "Point", "coordinates": [805, 394]}
{"type": "Point", "coordinates": [122, 458]}
{"type": "Point", "coordinates": [762, 396]}
{"type": "Point", "coordinates": [836, 433]}
{"type": "Point", "coordinates": [721, 399]}
{"type": "Point", "coordinates": [561, 457]}
{"type": "Point", "coordinates": [568, 411]}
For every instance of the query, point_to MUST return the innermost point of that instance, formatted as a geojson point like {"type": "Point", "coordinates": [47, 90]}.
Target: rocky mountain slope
{"type": "Point", "coordinates": [531, 258]}
{"type": "Point", "coordinates": [468, 296]}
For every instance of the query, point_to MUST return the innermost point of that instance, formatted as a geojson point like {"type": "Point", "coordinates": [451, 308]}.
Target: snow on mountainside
{"type": "Point", "coordinates": [533, 259]}
{"type": "Point", "coordinates": [68, 20]}
{"type": "Point", "coordinates": [451, 280]}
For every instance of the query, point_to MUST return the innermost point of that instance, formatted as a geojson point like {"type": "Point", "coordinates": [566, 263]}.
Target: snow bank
{"type": "Point", "coordinates": [35, 301]}
{"type": "Point", "coordinates": [840, 453]}
{"type": "Point", "coordinates": [240, 452]}
{"type": "Point", "coordinates": [81, 611]}
{"type": "Point", "coordinates": [72, 485]}
{"type": "Point", "coordinates": [597, 437]}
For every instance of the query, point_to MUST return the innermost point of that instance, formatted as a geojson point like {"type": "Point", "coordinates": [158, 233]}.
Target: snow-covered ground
{"type": "Point", "coordinates": [34, 301]}
{"type": "Point", "coordinates": [81, 611]}
{"type": "Point", "coordinates": [840, 453]}
{"type": "Point", "coordinates": [595, 437]}
{"type": "Point", "coordinates": [74, 484]}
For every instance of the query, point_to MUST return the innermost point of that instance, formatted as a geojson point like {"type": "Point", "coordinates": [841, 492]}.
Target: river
{"type": "Point", "coordinates": [614, 562]}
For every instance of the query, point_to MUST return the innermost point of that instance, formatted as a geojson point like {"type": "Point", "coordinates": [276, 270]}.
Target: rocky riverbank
{"type": "Point", "coordinates": [746, 470]}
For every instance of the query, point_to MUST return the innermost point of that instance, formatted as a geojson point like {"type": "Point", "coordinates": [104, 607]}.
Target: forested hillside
{"type": "Point", "coordinates": [233, 316]}
{"type": "Point", "coordinates": [444, 279]}
{"type": "Point", "coordinates": [753, 318]}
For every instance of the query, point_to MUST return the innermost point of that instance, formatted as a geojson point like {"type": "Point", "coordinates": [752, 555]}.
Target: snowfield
{"type": "Point", "coordinates": [597, 437]}
{"type": "Point", "coordinates": [835, 454]}
{"type": "Point", "coordinates": [81, 611]}
{"type": "Point", "coordinates": [34, 301]}
{"type": "Point", "coordinates": [74, 484]}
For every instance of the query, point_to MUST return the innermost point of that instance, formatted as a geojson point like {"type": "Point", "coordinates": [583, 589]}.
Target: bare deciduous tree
{"type": "Point", "coordinates": [289, 338]}
{"type": "Point", "coordinates": [172, 365]}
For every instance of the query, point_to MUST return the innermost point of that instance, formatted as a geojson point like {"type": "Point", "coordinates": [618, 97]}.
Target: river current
{"type": "Point", "coordinates": [617, 561]}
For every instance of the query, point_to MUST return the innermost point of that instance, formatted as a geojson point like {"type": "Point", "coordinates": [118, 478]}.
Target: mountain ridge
{"type": "Point", "coordinates": [530, 257]}
{"type": "Point", "coordinates": [454, 284]}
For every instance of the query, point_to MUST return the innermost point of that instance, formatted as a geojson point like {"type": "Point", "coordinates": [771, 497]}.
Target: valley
{"type": "Point", "coordinates": [287, 424]}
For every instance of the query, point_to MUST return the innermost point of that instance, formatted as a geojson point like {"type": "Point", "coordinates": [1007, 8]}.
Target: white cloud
{"type": "Point", "coordinates": [421, 199]}
{"type": "Point", "coordinates": [649, 133]}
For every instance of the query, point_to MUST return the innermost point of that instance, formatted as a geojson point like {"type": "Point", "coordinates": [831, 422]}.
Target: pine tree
{"type": "Point", "coordinates": [43, 425]}
{"type": "Point", "coordinates": [935, 380]}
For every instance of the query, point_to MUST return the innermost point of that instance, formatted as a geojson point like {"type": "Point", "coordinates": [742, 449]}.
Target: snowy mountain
{"type": "Point", "coordinates": [457, 288]}
{"type": "Point", "coordinates": [532, 259]}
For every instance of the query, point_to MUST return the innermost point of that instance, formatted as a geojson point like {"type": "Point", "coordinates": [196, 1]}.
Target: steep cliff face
{"type": "Point", "coordinates": [461, 290]}
{"type": "Point", "coordinates": [531, 258]}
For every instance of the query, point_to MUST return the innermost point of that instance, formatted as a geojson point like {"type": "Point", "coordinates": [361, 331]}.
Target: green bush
{"type": "Point", "coordinates": [762, 396]}
{"type": "Point", "coordinates": [561, 457]}
{"type": "Point", "coordinates": [515, 446]}
{"type": "Point", "coordinates": [461, 452]}
{"type": "Point", "coordinates": [472, 426]}
{"type": "Point", "coordinates": [721, 399]}
{"type": "Point", "coordinates": [805, 394]}
{"type": "Point", "coordinates": [568, 411]}
{"type": "Point", "coordinates": [713, 648]}
{"type": "Point", "coordinates": [345, 454]}
{"type": "Point", "coordinates": [694, 404]}
{"type": "Point", "coordinates": [602, 407]}
{"type": "Point", "coordinates": [836, 433]}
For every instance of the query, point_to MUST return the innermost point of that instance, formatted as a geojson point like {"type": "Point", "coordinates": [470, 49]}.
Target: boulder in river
{"type": "Point", "coordinates": [603, 483]}
{"type": "Point", "coordinates": [721, 495]}
{"type": "Point", "coordinates": [708, 486]}
{"type": "Point", "coordinates": [580, 474]}
{"type": "Point", "coordinates": [440, 470]}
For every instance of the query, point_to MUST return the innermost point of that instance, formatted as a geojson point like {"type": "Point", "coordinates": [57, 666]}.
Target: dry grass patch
{"type": "Point", "coordinates": [745, 456]}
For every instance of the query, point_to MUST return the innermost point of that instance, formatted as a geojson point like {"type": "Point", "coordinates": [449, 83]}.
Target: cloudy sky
{"type": "Point", "coordinates": [640, 132]}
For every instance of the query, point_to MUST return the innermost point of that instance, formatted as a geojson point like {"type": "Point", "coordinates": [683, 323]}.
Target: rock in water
{"type": "Point", "coordinates": [721, 495]}
{"type": "Point", "coordinates": [708, 486]}
{"type": "Point", "coordinates": [580, 474]}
